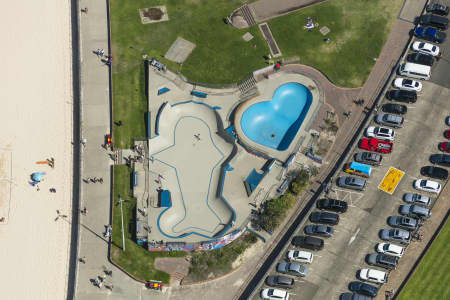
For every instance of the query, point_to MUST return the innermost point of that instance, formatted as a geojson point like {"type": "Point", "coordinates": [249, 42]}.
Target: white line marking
{"type": "Point", "coordinates": [354, 236]}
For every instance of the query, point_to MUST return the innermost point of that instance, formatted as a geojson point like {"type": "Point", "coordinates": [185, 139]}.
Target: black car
{"type": "Point", "coordinates": [319, 230]}
{"type": "Point", "coordinates": [307, 242]}
{"type": "Point", "coordinates": [382, 260]}
{"type": "Point", "coordinates": [420, 58]}
{"type": "Point", "coordinates": [440, 159]}
{"type": "Point", "coordinates": [402, 96]}
{"type": "Point", "coordinates": [333, 205]}
{"type": "Point", "coordinates": [438, 9]}
{"type": "Point", "coordinates": [394, 108]}
{"type": "Point", "coordinates": [280, 281]}
{"type": "Point", "coordinates": [433, 20]}
{"type": "Point", "coordinates": [324, 218]}
{"type": "Point", "coordinates": [363, 288]}
{"type": "Point", "coordinates": [434, 172]}
{"type": "Point", "coordinates": [403, 222]}
{"type": "Point", "coordinates": [369, 158]}
{"type": "Point", "coordinates": [354, 296]}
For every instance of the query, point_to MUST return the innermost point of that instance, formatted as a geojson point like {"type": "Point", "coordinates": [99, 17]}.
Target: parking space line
{"type": "Point", "coordinates": [354, 236]}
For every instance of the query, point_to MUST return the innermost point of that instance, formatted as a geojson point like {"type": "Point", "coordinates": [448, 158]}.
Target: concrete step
{"type": "Point", "coordinates": [247, 14]}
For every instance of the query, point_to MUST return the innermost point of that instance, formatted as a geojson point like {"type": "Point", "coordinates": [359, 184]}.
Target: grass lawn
{"type": "Point", "coordinates": [358, 31]}
{"type": "Point", "coordinates": [135, 260]}
{"type": "Point", "coordinates": [432, 276]}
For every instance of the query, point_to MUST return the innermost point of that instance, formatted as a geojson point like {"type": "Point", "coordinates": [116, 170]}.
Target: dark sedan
{"type": "Point", "coordinates": [394, 108]}
{"type": "Point", "coordinates": [421, 59]}
{"type": "Point", "coordinates": [363, 288]}
{"type": "Point", "coordinates": [280, 281]}
{"type": "Point", "coordinates": [434, 172]}
{"type": "Point", "coordinates": [440, 159]}
{"type": "Point", "coordinates": [333, 205]}
{"type": "Point", "coordinates": [324, 218]}
{"type": "Point", "coordinates": [438, 9]}
{"type": "Point", "coordinates": [319, 230]}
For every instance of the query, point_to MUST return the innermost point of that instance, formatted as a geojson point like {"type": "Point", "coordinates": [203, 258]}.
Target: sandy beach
{"type": "Point", "coordinates": [36, 122]}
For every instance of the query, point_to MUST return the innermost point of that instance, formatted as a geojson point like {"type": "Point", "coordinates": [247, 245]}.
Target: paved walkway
{"type": "Point", "coordinates": [268, 9]}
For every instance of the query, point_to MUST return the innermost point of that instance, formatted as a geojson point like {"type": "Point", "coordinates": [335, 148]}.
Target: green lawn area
{"type": "Point", "coordinates": [432, 276]}
{"type": "Point", "coordinates": [358, 31]}
{"type": "Point", "coordinates": [135, 260]}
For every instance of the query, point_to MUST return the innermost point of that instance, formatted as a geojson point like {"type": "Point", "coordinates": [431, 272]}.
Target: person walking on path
{"type": "Point", "coordinates": [100, 180]}
{"type": "Point", "coordinates": [84, 10]}
{"type": "Point", "coordinates": [82, 259]}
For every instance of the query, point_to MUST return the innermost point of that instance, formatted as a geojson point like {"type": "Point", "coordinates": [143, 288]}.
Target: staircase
{"type": "Point", "coordinates": [247, 15]}
{"type": "Point", "coordinates": [248, 88]}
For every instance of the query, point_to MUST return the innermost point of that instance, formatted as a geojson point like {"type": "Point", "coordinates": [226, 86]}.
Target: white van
{"type": "Point", "coordinates": [415, 71]}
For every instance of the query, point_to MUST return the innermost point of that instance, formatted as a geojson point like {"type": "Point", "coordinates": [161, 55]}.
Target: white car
{"type": "Point", "coordinates": [390, 249]}
{"type": "Point", "coordinates": [429, 186]}
{"type": "Point", "coordinates": [373, 275]}
{"type": "Point", "coordinates": [426, 48]}
{"type": "Point", "coordinates": [274, 294]}
{"type": "Point", "coordinates": [407, 84]}
{"type": "Point", "coordinates": [300, 256]}
{"type": "Point", "coordinates": [382, 133]}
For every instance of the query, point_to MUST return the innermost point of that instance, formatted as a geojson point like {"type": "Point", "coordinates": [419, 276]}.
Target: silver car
{"type": "Point", "coordinates": [415, 211]}
{"type": "Point", "coordinates": [389, 120]}
{"type": "Point", "coordinates": [292, 269]}
{"type": "Point", "coordinates": [370, 158]}
{"type": "Point", "coordinates": [352, 183]}
{"type": "Point", "coordinates": [395, 235]}
{"type": "Point", "coordinates": [417, 199]}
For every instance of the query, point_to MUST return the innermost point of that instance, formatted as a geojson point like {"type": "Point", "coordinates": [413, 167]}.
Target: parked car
{"type": "Point", "coordinates": [352, 183]}
{"type": "Point", "coordinates": [304, 257]}
{"type": "Point", "coordinates": [292, 269]}
{"type": "Point", "coordinates": [363, 288]}
{"type": "Point", "coordinates": [403, 222]}
{"type": "Point", "coordinates": [402, 96]}
{"type": "Point", "coordinates": [319, 230]}
{"type": "Point", "coordinates": [421, 59]}
{"type": "Point", "coordinates": [369, 158]}
{"type": "Point", "coordinates": [395, 235]}
{"type": "Point", "coordinates": [415, 211]}
{"type": "Point", "coordinates": [444, 146]}
{"type": "Point", "coordinates": [389, 120]}
{"type": "Point", "coordinates": [390, 249]}
{"type": "Point", "coordinates": [382, 260]}
{"type": "Point", "coordinates": [430, 34]}
{"type": "Point", "coordinates": [433, 20]}
{"type": "Point", "coordinates": [429, 186]}
{"type": "Point", "coordinates": [381, 133]}
{"type": "Point", "coordinates": [440, 159]}
{"type": "Point", "coordinates": [447, 134]}
{"type": "Point", "coordinates": [308, 242]}
{"type": "Point", "coordinates": [407, 84]}
{"type": "Point", "coordinates": [434, 172]}
{"type": "Point", "coordinates": [426, 48]}
{"type": "Point", "coordinates": [413, 198]}
{"type": "Point", "coordinates": [372, 275]}
{"type": "Point", "coordinates": [438, 9]}
{"type": "Point", "coordinates": [333, 205]}
{"type": "Point", "coordinates": [447, 121]}
{"type": "Point", "coordinates": [375, 145]}
{"type": "Point", "coordinates": [324, 218]}
{"type": "Point", "coordinates": [274, 294]}
{"type": "Point", "coordinates": [280, 281]}
{"type": "Point", "coordinates": [354, 296]}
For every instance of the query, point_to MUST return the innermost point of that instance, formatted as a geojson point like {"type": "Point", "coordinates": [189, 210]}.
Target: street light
{"type": "Point", "coordinates": [121, 215]}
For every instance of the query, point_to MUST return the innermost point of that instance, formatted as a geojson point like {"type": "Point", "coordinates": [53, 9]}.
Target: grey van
{"type": "Point", "coordinates": [415, 211]}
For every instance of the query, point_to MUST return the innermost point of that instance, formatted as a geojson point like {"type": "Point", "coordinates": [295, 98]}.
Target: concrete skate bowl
{"type": "Point", "coordinates": [275, 123]}
{"type": "Point", "coordinates": [194, 162]}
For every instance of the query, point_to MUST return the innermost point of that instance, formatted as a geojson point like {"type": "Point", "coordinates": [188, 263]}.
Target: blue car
{"type": "Point", "coordinates": [430, 34]}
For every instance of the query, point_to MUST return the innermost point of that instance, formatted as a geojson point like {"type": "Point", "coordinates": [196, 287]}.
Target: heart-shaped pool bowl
{"type": "Point", "coordinates": [275, 123]}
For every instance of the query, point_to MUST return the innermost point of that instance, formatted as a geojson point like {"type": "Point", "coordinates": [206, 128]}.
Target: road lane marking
{"type": "Point", "coordinates": [354, 236]}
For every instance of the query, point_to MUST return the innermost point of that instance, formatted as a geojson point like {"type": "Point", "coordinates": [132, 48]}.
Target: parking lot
{"type": "Point", "coordinates": [357, 233]}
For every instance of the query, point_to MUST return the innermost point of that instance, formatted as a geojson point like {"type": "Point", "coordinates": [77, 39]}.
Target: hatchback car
{"type": "Point", "coordinates": [369, 158]}
{"type": "Point", "coordinates": [421, 59]}
{"type": "Point", "coordinates": [280, 281]}
{"type": "Point", "coordinates": [413, 198]}
{"type": "Point", "coordinates": [440, 159]}
{"type": "Point", "coordinates": [438, 9]}
{"type": "Point", "coordinates": [381, 133]}
{"type": "Point", "coordinates": [390, 249]}
{"type": "Point", "coordinates": [382, 260]}
{"type": "Point", "coordinates": [352, 183]}
{"type": "Point", "coordinates": [274, 294]}
{"type": "Point", "coordinates": [333, 205]}
{"type": "Point", "coordinates": [434, 172]}
{"type": "Point", "coordinates": [430, 34]}
{"type": "Point", "coordinates": [324, 218]}
{"type": "Point", "coordinates": [447, 134]}
{"type": "Point", "coordinates": [395, 235]}
{"type": "Point", "coordinates": [363, 288]}
{"type": "Point", "coordinates": [304, 257]}
{"type": "Point", "coordinates": [426, 48]}
{"type": "Point", "coordinates": [429, 186]}
{"type": "Point", "coordinates": [389, 120]}
{"type": "Point", "coordinates": [307, 242]}
{"type": "Point", "coordinates": [407, 84]}
{"type": "Point", "coordinates": [319, 230]}
{"type": "Point", "coordinates": [402, 96]}
{"type": "Point", "coordinates": [292, 269]}
{"type": "Point", "coordinates": [447, 121]}
{"type": "Point", "coordinates": [444, 146]}
{"type": "Point", "coordinates": [433, 20]}
{"type": "Point", "coordinates": [403, 222]}
{"type": "Point", "coordinates": [354, 296]}
{"type": "Point", "coordinates": [415, 211]}
{"type": "Point", "coordinates": [372, 275]}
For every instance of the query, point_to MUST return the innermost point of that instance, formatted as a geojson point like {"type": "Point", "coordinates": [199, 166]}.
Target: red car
{"type": "Point", "coordinates": [444, 146]}
{"type": "Point", "coordinates": [375, 145]}
{"type": "Point", "coordinates": [447, 134]}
